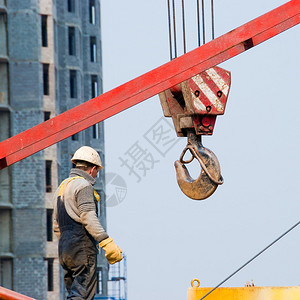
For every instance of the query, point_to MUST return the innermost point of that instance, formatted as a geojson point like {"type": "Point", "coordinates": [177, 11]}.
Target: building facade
{"type": "Point", "coordinates": [50, 61]}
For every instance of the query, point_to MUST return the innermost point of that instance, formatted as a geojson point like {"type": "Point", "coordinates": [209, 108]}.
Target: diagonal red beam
{"type": "Point", "coordinates": [141, 88]}
{"type": "Point", "coordinates": [6, 294]}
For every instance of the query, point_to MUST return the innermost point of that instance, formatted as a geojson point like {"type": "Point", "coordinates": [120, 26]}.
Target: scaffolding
{"type": "Point", "coordinates": [117, 282]}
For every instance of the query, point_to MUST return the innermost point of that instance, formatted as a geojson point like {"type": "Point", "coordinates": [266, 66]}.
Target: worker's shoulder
{"type": "Point", "coordinates": [79, 182]}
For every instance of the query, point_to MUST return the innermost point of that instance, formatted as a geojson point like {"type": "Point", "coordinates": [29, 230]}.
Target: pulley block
{"type": "Point", "coordinates": [194, 106]}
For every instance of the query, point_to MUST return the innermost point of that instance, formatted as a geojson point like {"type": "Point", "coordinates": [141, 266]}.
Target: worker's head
{"type": "Point", "coordinates": [88, 160]}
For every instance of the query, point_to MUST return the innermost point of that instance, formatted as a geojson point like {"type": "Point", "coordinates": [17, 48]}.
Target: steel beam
{"type": "Point", "coordinates": [6, 294]}
{"type": "Point", "coordinates": [137, 90]}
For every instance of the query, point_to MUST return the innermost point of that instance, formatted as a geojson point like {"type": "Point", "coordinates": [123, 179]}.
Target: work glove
{"type": "Point", "coordinates": [113, 253]}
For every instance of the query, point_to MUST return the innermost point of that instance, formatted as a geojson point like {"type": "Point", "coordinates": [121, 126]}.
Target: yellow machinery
{"type": "Point", "coordinates": [243, 293]}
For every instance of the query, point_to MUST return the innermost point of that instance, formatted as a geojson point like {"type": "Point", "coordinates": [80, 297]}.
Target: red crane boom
{"type": "Point", "coordinates": [162, 78]}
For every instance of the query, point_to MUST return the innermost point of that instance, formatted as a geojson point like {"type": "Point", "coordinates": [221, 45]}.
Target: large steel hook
{"type": "Point", "coordinates": [210, 176]}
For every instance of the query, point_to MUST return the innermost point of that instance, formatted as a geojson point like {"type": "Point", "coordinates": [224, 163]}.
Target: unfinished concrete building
{"type": "Point", "coordinates": [50, 61]}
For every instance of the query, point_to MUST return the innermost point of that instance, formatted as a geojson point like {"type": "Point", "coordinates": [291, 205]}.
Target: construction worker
{"type": "Point", "coordinates": [77, 226]}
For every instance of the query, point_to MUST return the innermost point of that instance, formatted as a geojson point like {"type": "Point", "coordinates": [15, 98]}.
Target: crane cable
{"type": "Point", "coordinates": [172, 25]}
{"type": "Point", "coordinates": [183, 27]}
{"type": "Point", "coordinates": [250, 260]}
{"type": "Point", "coordinates": [174, 28]}
{"type": "Point", "coordinates": [203, 22]}
{"type": "Point", "coordinates": [212, 20]}
{"type": "Point", "coordinates": [198, 22]}
{"type": "Point", "coordinates": [170, 34]}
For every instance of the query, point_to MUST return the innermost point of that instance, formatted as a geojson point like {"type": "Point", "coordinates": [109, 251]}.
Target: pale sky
{"type": "Point", "coordinates": [168, 238]}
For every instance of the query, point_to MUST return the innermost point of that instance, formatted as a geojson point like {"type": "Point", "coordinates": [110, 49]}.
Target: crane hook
{"type": "Point", "coordinates": [210, 176]}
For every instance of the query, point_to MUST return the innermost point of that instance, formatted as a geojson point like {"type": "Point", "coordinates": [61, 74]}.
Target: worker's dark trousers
{"type": "Point", "coordinates": [77, 256]}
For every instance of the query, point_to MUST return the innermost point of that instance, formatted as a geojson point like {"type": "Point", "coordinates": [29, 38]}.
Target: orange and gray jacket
{"type": "Point", "coordinates": [77, 192]}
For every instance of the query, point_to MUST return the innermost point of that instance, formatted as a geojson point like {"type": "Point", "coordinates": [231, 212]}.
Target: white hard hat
{"type": "Point", "coordinates": [88, 154]}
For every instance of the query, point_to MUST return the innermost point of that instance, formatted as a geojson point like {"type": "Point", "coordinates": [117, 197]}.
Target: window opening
{"type": "Point", "coordinates": [46, 78]}
{"type": "Point", "coordinates": [6, 273]}
{"type": "Point", "coordinates": [92, 10]}
{"type": "Point", "coordinates": [5, 230]}
{"type": "Point", "coordinates": [72, 42]}
{"type": "Point", "coordinates": [80, 44]}
{"type": "Point", "coordinates": [47, 115]}
{"type": "Point", "coordinates": [75, 137]}
{"type": "Point", "coordinates": [44, 31]}
{"type": "Point", "coordinates": [3, 33]}
{"type": "Point", "coordinates": [73, 84]}
{"type": "Point", "coordinates": [71, 6]}
{"type": "Point", "coordinates": [50, 274]}
{"type": "Point", "coordinates": [93, 48]}
{"type": "Point", "coordinates": [49, 225]}
{"type": "Point", "coordinates": [48, 176]}
{"type": "Point", "coordinates": [96, 131]}
{"type": "Point", "coordinates": [94, 86]}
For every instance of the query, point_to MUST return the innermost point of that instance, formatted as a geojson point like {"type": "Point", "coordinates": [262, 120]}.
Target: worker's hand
{"type": "Point", "coordinates": [113, 253]}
